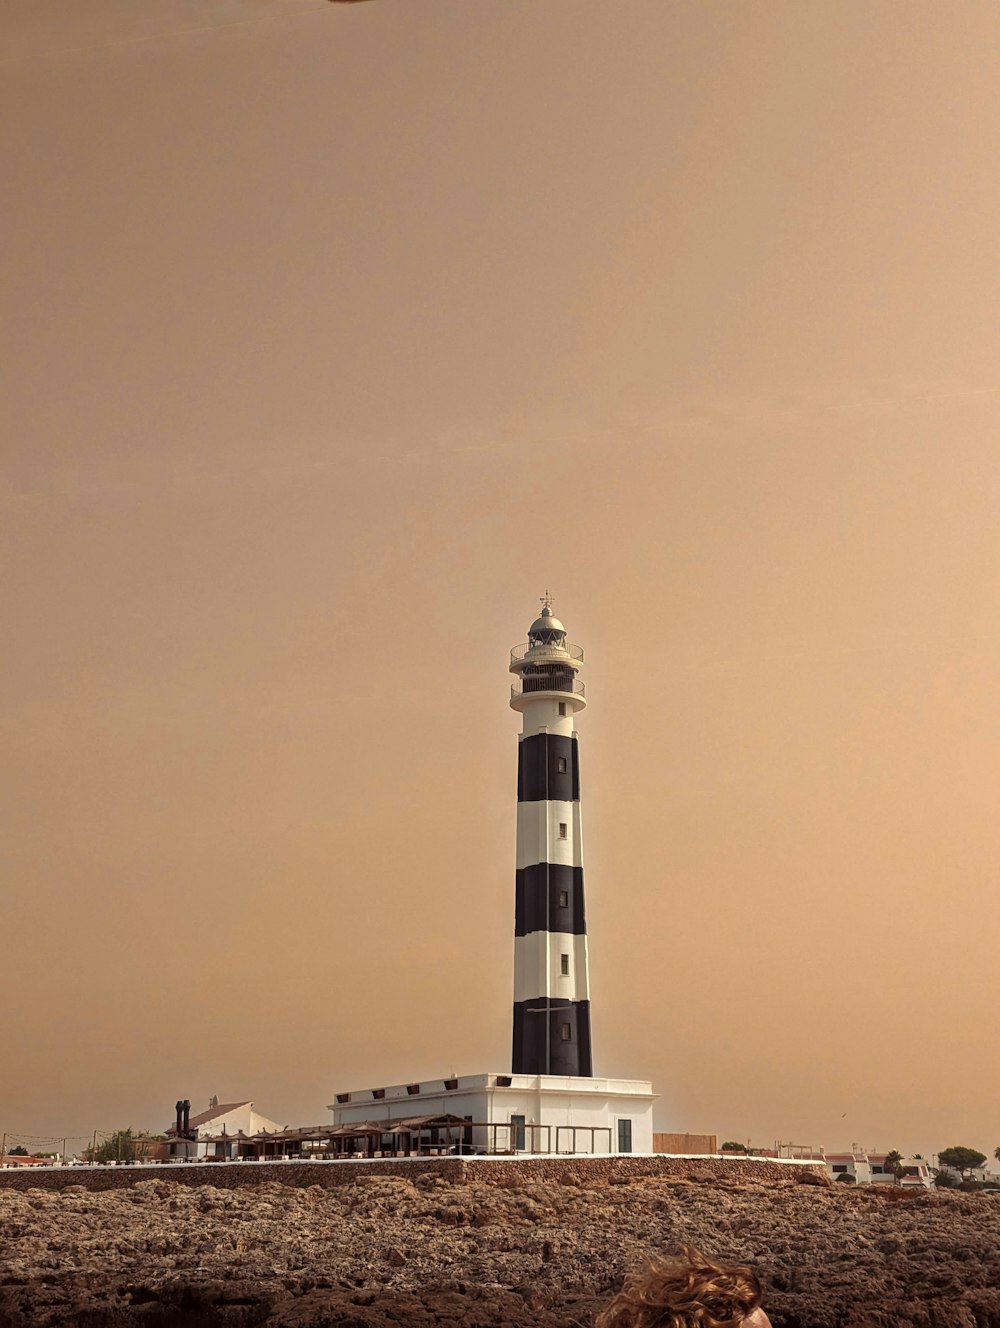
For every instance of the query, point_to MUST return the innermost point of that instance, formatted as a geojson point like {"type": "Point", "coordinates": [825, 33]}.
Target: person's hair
{"type": "Point", "coordinates": [692, 1292]}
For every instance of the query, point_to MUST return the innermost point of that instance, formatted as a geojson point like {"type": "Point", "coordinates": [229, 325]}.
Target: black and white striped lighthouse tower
{"type": "Point", "coordinates": [551, 981]}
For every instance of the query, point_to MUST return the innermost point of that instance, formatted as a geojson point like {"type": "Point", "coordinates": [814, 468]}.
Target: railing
{"type": "Point", "coordinates": [535, 682]}
{"type": "Point", "coordinates": [519, 652]}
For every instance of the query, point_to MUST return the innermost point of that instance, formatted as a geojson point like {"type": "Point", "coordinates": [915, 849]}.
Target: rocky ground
{"type": "Point", "coordinates": [387, 1251]}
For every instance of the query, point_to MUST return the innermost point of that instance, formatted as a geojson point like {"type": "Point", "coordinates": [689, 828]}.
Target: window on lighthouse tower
{"type": "Point", "coordinates": [563, 830]}
{"type": "Point", "coordinates": [564, 965]}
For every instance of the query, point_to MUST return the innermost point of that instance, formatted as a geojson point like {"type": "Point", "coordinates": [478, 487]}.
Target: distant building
{"type": "Point", "coordinates": [216, 1132]}
{"type": "Point", "coordinates": [520, 1113]}
{"type": "Point", "coordinates": [915, 1174]}
{"type": "Point", "coordinates": [881, 1175]}
{"type": "Point", "coordinates": [147, 1149]}
{"type": "Point", "coordinates": [854, 1166]}
{"type": "Point", "coordinates": [866, 1168]}
{"type": "Point", "coordinates": [913, 1171]}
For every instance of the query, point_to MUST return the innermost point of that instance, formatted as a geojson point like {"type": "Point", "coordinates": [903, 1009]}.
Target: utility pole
{"type": "Point", "coordinates": [93, 1151]}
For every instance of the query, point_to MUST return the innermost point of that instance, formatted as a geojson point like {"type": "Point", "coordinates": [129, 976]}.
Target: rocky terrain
{"type": "Point", "coordinates": [393, 1251]}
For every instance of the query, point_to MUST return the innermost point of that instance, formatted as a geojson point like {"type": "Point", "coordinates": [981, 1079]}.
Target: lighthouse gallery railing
{"type": "Point", "coordinates": [519, 652]}
{"type": "Point", "coordinates": [535, 682]}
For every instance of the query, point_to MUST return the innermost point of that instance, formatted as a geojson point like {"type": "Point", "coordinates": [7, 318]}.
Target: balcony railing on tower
{"type": "Point", "coordinates": [536, 682]}
{"type": "Point", "coordinates": [519, 652]}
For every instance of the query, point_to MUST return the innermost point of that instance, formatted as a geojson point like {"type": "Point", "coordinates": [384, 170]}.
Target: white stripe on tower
{"type": "Point", "coordinates": [551, 980]}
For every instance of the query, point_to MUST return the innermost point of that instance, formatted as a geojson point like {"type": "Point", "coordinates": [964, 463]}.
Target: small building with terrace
{"type": "Point", "coordinates": [216, 1133]}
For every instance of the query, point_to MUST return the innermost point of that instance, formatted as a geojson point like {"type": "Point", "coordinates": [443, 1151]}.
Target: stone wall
{"type": "Point", "coordinates": [457, 1170]}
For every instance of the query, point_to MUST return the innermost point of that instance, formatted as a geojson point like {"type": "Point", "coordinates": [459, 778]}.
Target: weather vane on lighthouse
{"type": "Point", "coordinates": [551, 977]}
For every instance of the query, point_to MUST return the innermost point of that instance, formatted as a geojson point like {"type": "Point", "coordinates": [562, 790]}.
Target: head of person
{"type": "Point", "coordinates": [690, 1292]}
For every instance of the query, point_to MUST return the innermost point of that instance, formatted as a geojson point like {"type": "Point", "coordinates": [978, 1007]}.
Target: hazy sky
{"type": "Point", "coordinates": [333, 335]}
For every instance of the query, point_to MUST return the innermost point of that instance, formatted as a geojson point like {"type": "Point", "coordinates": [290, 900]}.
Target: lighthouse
{"type": "Point", "coordinates": [551, 972]}
{"type": "Point", "coordinates": [549, 1101]}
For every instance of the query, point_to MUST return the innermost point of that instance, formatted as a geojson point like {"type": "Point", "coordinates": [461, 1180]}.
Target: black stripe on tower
{"type": "Point", "coordinates": [549, 897]}
{"type": "Point", "coordinates": [552, 1036]}
{"type": "Point", "coordinates": [548, 768]}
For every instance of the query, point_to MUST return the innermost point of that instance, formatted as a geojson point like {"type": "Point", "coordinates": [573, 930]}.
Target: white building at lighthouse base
{"type": "Point", "coordinates": [518, 1113]}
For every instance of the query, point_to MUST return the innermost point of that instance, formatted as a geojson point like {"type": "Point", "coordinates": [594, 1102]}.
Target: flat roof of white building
{"type": "Point", "coordinates": [473, 1083]}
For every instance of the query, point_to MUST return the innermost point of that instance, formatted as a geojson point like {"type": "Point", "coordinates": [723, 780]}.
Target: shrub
{"type": "Point", "coordinates": [120, 1147]}
{"type": "Point", "coordinates": [945, 1181]}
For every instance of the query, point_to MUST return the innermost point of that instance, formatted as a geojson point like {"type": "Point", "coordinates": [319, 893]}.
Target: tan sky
{"type": "Point", "coordinates": [333, 335]}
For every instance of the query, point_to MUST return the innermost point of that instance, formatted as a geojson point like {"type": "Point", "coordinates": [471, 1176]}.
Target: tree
{"type": "Point", "coordinates": [732, 1147]}
{"type": "Point", "coordinates": [18, 1150]}
{"type": "Point", "coordinates": [144, 1145]}
{"type": "Point", "coordinates": [119, 1147]}
{"type": "Point", "coordinates": [996, 1154]}
{"type": "Point", "coordinates": [961, 1159]}
{"type": "Point", "coordinates": [894, 1164]}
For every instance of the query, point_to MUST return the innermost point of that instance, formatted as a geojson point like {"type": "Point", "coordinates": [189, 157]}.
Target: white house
{"type": "Point", "coordinates": [520, 1113]}
{"type": "Point", "coordinates": [915, 1174]}
{"type": "Point", "coordinates": [217, 1130]}
{"type": "Point", "coordinates": [871, 1169]}
{"type": "Point", "coordinates": [854, 1164]}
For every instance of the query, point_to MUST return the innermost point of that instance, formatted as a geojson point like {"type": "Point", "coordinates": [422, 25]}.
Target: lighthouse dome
{"type": "Point", "coordinates": [547, 627]}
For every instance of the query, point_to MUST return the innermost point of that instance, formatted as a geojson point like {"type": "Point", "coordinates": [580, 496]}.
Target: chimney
{"type": "Point", "coordinates": [179, 1123]}
{"type": "Point", "coordinates": [186, 1105]}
